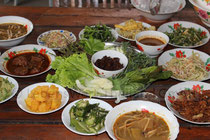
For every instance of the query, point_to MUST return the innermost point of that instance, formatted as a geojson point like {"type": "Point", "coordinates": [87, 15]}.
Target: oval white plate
{"type": "Point", "coordinates": [172, 92]}
{"type": "Point", "coordinates": [166, 28]}
{"type": "Point", "coordinates": [114, 33]}
{"type": "Point", "coordinates": [14, 90]}
{"type": "Point", "coordinates": [159, 110]}
{"type": "Point", "coordinates": [48, 32]}
{"type": "Point", "coordinates": [25, 48]}
{"type": "Point", "coordinates": [123, 23]}
{"type": "Point", "coordinates": [66, 117]}
{"type": "Point", "coordinates": [24, 94]}
{"type": "Point", "coordinates": [167, 56]}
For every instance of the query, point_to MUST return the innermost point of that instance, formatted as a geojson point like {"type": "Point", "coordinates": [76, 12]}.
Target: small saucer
{"type": "Point", "coordinates": [147, 96]}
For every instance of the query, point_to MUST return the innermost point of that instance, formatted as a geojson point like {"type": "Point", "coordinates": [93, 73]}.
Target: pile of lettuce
{"type": "Point", "coordinates": [76, 71]}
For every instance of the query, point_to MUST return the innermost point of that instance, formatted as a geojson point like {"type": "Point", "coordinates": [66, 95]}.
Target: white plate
{"type": "Point", "coordinates": [123, 23]}
{"type": "Point", "coordinates": [159, 110]}
{"type": "Point", "coordinates": [48, 32]}
{"type": "Point", "coordinates": [25, 48]}
{"type": "Point", "coordinates": [172, 92]}
{"type": "Point", "coordinates": [66, 117]}
{"type": "Point", "coordinates": [14, 90]}
{"type": "Point", "coordinates": [114, 33]}
{"type": "Point", "coordinates": [24, 94]}
{"type": "Point", "coordinates": [165, 28]}
{"type": "Point", "coordinates": [168, 55]}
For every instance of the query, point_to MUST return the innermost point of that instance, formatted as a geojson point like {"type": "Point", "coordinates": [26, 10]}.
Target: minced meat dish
{"type": "Point", "coordinates": [193, 105]}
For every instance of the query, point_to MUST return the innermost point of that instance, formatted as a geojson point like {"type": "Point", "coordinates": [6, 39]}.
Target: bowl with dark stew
{"type": "Point", "coordinates": [109, 63]}
{"type": "Point", "coordinates": [26, 60]}
{"type": "Point", "coordinates": [13, 30]}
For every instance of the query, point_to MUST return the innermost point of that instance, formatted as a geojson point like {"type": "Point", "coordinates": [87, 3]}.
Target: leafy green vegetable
{"type": "Point", "coordinates": [136, 60]}
{"type": "Point", "coordinates": [70, 69]}
{"type": "Point", "coordinates": [100, 32]}
{"type": "Point", "coordinates": [137, 79]}
{"type": "Point", "coordinates": [72, 48]}
{"type": "Point", "coordinates": [186, 36]}
{"type": "Point", "coordinates": [86, 117]}
{"type": "Point", "coordinates": [92, 45]}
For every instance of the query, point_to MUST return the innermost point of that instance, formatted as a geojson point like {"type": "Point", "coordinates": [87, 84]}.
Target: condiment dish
{"type": "Point", "coordinates": [109, 53]}
{"type": "Point", "coordinates": [151, 43]}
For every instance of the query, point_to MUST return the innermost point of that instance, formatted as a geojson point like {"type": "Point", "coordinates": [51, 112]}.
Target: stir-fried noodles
{"type": "Point", "coordinates": [188, 68]}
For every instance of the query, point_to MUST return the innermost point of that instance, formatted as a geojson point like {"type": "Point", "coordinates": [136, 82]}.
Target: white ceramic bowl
{"type": "Point", "coordinates": [202, 11]}
{"type": "Point", "coordinates": [24, 94]}
{"type": "Point", "coordinates": [15, 19]}
{"type": "Point", "coordinates": [159, 110]}
{"type": "Point", "coordinates": [112, 54]}
{"type": "Point", "coordinates": [152, 51]}
{"type": "Point", "coordinates": [163, 14]}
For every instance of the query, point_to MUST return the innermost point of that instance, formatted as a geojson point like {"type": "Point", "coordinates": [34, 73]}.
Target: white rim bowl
{"type": "Point", "coordinates": [110, 53]}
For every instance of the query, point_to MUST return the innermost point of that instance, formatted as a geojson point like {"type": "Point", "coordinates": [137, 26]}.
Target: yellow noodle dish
{"type": "Point", "coordinates": [140, 125]}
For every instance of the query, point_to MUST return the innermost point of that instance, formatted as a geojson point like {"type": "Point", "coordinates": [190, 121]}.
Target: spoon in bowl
{"type": "Point", "coordinates": [154, 6]}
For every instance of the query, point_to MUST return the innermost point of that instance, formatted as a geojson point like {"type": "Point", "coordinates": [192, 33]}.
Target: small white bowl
{"type": "Point", "coordinates": [111, 53]}
{"type": "Point", "coordinates": [19, 20]}
{"type": "Point", "coordinates": [166, 10]}
{"type": "Point", "coordinates": [152, 51]}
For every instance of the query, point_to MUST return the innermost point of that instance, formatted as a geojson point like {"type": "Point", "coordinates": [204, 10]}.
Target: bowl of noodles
{"type": "Point", "coordinates": [141, 120]}
{"type": "Point", "coordinates": [186, 64]}
{"type": "Point", "coordinates": [13, 30]}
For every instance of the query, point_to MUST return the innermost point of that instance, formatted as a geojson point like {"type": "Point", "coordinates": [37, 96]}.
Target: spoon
{"type": "Point", "coordinates": [154, 6]}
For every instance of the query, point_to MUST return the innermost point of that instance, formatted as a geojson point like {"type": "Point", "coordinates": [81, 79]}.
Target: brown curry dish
{"type": "Point", "coordinates": [28, 63]}
{"type": "Point", "coordinates": [12, 30]}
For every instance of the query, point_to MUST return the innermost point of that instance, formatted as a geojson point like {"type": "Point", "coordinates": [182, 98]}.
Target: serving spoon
{"type": "Point", "coordinates": [154, 6]}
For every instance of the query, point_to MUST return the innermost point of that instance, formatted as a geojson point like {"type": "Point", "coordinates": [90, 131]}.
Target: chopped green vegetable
{"type": "Point", "coordinates": [99, 31]}
{"type": "Point", "coordinates": [183, 36]}
{"type": "Point", "coordinates": [5, 88]}
{"type": "Point", "coordinates": [86, 117]}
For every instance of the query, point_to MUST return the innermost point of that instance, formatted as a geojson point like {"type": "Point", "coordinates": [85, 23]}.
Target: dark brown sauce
{"type": "Point", "coordinates": [108, 63]}
{"type": "Point", "coordinates": [151, 41]}
{"type": "Point", "coordinates": [28, 63]}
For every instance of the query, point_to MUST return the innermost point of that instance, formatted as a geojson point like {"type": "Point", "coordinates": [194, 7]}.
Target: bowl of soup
{"type": "Point", "coordinates": [138, 120]}
{"type": "Point", "coordinates": [151, 43]}
{"type": "Point", "coordinates": [13, 30]}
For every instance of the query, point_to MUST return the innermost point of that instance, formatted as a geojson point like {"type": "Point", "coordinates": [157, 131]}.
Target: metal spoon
{"type": "Point", "coordinates": [154, 6]}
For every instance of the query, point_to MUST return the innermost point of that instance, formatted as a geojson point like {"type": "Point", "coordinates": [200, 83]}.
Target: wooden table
{"type": "Point", "coordinates": [17, 124]}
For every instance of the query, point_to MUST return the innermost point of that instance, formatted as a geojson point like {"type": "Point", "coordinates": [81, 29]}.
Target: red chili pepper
{"type": "Point", "coordinates": [177, 25]}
